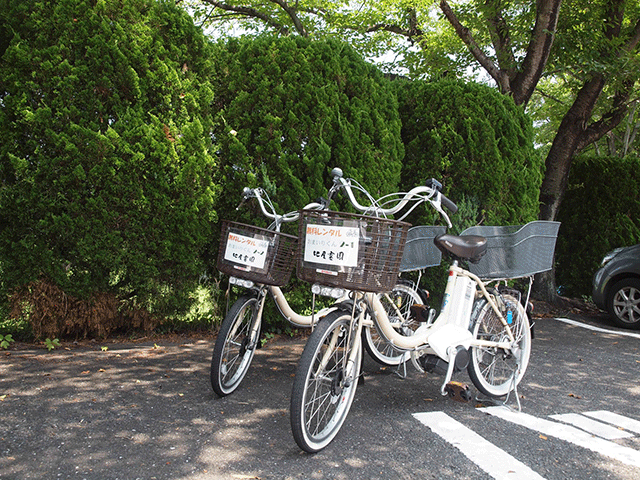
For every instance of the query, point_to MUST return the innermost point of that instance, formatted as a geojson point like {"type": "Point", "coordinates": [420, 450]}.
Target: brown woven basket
{"type": "Point", "coordinates": [351, 251]}
{"type": "Point", "coordinates": [256, 254]}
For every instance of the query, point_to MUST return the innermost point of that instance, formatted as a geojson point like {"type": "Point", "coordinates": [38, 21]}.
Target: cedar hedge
{"type": "Point", "coordinates": [127, 134]}
{"type": "Point", "coordinates": [106, 164]}
{"type": "Point", "coordinates": [600, 212]}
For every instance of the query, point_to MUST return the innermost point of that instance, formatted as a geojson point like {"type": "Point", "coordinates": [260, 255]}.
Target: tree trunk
{"type": "Point", "coordinates": [558, 165]}
{"type": "Point", "coordinates": [565, 143]}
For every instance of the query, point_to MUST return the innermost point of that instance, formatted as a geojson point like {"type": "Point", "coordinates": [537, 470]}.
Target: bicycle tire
{"type": "Point", "coordinates": [234, 349]}
{"type": "Point", "coordinates": [494, 371]}
{"type": "Point", "coordinates": [375, 343]}
{"type": "Point", "coordinates": [321, 401]}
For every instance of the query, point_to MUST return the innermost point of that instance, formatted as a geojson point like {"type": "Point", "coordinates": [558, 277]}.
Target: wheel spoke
{"type": "Point", "coordinates": [234, 350]}
{"type": "Point", "coordinates": [320, 399]}
{"type": "Point", "coordinates": [397, 305]}
{"type": "Point", "coordinates": [626, 304]}
{"type": "Point", "coordinates": [495, 370]}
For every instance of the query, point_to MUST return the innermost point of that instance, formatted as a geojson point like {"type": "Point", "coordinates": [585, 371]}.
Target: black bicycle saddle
{"type": "Point", "coordinates": [466, 247]}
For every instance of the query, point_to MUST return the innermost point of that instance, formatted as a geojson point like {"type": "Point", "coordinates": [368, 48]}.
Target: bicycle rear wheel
{"type": "Point", "coordinates": [495, 371]}
{"type": "Point", "coordinates": [324, 385]}
{"type": "Point", "coordinates": [235, 346]}
{"type": "Point", "coordinates": [397, 304]}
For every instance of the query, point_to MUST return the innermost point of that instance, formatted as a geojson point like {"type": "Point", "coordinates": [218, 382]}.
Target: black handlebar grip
{"type": "Point", "coordinates": [452, 207]}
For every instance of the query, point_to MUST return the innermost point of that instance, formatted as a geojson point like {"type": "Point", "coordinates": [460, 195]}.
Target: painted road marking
{"type": "Point", "coordinates": [615, 419]}
{"type": "Point", "coordinates": [592, 426]}
{"type": "Point", "coordinates": [597, 329]}
{"type": "Point", "coordinates": [493, 460]}
{"type": "Point", "coordinates": [568, 433]}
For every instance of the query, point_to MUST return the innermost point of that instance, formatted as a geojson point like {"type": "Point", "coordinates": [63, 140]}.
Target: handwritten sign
{"type": "Point", "coordinates": [248, 251]}
{"type": "Point", "coordinates": [331, 245]}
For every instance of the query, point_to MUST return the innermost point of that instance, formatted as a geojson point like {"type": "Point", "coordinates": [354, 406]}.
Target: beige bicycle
{"type": "Point", "coordinates": [482, 325]}
{"type": "Point", "coordinates": [260, 261]}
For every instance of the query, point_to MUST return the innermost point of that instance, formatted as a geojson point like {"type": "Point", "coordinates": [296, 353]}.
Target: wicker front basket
{"type": "Point", "coordinates": [256, 254]}
{"type": "Point", "coordinates": [356, 252]}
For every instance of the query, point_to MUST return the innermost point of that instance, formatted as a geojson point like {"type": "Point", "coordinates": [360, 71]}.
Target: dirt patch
{"type": "Point", "coordinates": [566, 307]}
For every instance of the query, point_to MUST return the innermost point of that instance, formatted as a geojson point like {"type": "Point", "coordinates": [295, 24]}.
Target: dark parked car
{"type": "Point", "coordinates": [616, 286]}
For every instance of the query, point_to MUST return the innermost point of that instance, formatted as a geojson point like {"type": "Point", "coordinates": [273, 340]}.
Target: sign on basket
{"type": "Point", "coordinates": [248, 251]}
{"type": "Point", "coordinates": [331, 245]}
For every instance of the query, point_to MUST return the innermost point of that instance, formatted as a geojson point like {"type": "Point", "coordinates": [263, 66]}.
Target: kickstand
{"type": "Point", "coordinates": [515, 391]}
{"type": "Point", "coordinates": [499, 403]}
{"type": "Point", "coordinates": [401, 369]}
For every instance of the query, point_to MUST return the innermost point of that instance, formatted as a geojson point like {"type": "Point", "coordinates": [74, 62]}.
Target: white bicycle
{"type": "Point", "coordinates": [480, 327]}
{"type": "Point", "coordinates": [260, 261]}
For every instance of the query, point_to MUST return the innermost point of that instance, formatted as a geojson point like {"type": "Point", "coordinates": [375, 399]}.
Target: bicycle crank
{"type": "Point", "coordinates": [458, 392]}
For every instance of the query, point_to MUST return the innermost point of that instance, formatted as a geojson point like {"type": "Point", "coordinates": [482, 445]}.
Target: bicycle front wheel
{"type": "Point", "coordinates": [235, 345]}
{"type": "Point", "coordinates": [325, 382]}
{"type": "Point", "coordinates": [495, 371]}
{"type": "Point", "coordinates": [397, 304]}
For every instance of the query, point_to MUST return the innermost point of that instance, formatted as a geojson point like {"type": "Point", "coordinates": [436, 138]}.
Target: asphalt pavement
{"type": "Point", "coordinates": [146, 410]}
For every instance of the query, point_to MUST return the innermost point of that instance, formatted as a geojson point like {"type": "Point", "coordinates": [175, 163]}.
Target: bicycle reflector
{"type": "Point", "coordinates": [241, 282]}
{"type": "Point", "coordinates": [323, 291]}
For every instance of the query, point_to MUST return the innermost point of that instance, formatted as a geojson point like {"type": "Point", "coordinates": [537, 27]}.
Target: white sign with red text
{"type": "Point", "coordinates": [332, 245]}
{"type": "Point", "coordinates": [244, 250]}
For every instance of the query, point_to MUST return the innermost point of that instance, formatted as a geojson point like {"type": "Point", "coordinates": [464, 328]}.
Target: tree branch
{"type": "Point", "coordinates": [634, 39]}
{"type": "Point", "coordinates": [292, 12]}
{"type": "Point", "coordinates": [465, 35]}
{"type": "Point", "coordinates": [387, 27]}
{"type": "Point", "coordinates": [550, 97]}
{"type": "Point", "coordinates": [524, 83]}
{"type": "Point", "coordinates": [249, 12]}
{"type": "Point", "coordinates": [611, 119]}
{"type": "Point", "coordinates": [411, 33]}
{"type": "Point", "coordinates": [500, 37]}
{"type": "Point", "coordinates": [620, 105]}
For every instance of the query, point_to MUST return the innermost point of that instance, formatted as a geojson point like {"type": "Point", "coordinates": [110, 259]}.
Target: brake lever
{"type": "Point", "coordinates": [246, 194]}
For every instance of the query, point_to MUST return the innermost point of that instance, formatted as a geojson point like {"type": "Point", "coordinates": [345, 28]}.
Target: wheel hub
{"type": "Point", "coordinates": [244, 346]}
{"type": "Point", "coordinates": [337, 384]}
{"type": "Point", "coordinates": [627, 305]}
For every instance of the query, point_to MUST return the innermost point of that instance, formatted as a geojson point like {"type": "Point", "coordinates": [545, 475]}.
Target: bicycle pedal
{"type": "Point", "coordinates": [420, 312]}
{"type": "Point", "coordinates": [458, 392]}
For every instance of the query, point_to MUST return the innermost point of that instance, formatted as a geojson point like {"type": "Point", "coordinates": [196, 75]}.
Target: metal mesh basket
{"type": "Point", "coordinates": [516, 251]}
{"type": "Point", "coordinates": [356, 252]}
{"type": "Point", "coordinates": [256, 254]}
{"type": "Point", "coordinates": [420, 252]}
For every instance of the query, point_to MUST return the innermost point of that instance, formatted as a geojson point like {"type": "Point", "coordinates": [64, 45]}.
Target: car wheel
{"type": "Point", "coordinates": [624, 303]}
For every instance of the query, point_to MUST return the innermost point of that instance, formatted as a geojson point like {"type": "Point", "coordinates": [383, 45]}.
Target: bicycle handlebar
{"type": "Point", "coordinates": [264, 201]}
{"type": "Point", "coordinates": [452, 207]}
{"type": "Point", "coordinates": [430, 192]}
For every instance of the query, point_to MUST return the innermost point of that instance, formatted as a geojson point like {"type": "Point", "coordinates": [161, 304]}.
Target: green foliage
{"type": "Point", "coordinates": [600, 212]}
{"type": "Point", "coordinates": [106, 165]}
{"type": "Point", "coordinates": [293, 109]}
{"type": "Point", "coordinates": [51, 344]}
{"type": "Point", "coordinates": [477, 142]}
{"type": "Point", "coordinates": [6, 340]}
{"type": "Point", "coordinates": [300, 108]}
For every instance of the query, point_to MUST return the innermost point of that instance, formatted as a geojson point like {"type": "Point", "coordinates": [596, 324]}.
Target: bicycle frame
{"type": "Point", "coordinates": [296, 319]}
{"type": "Point", "coordinates": [450, 330]}
{"type": "Point", "coordinates": [481, 327]}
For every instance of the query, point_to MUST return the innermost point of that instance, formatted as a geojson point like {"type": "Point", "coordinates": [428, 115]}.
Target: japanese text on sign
{"type": "Point", "coordinates": [246, 250]}
{"type": "Point", "coordinates": [331, 245]}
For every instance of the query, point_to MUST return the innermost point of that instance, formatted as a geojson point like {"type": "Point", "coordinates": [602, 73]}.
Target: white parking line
{"type": "Point", "coordinates": [597, 329]}
{"type": "Point", "coordinates": [493, 460]}
{"type": "Point", "coordinates": [589, 425]}
{"type": "Point", "coordinates": [615, 419]}
{"type": "Point", "coordinates": [567, 433]}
